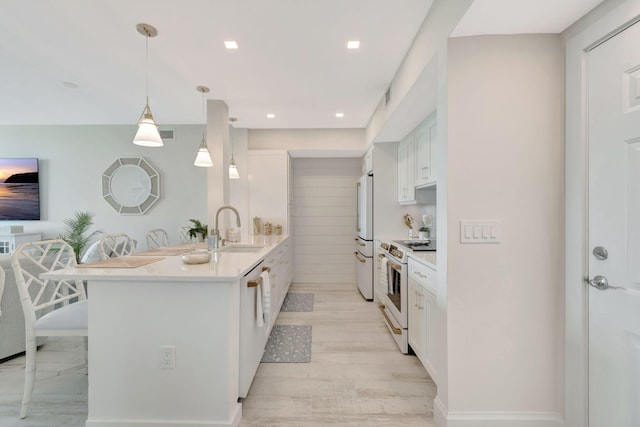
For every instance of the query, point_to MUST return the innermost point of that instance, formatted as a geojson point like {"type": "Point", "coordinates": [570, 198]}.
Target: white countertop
{"type": "Point", "coordinates": [222, 267]}
{"type": "Point", "coordinates": [425, 257]}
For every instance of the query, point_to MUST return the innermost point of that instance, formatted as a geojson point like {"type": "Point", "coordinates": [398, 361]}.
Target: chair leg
{"type": "Point", "coordinates": [29, 374]}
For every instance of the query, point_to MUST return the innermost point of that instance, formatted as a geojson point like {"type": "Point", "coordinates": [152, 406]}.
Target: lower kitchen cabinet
{"type": "Point", "coordinates": [422, 304]}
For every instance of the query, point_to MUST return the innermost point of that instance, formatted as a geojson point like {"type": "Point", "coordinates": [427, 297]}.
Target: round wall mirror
{"type": "Point", "coordinates": [131, 185]}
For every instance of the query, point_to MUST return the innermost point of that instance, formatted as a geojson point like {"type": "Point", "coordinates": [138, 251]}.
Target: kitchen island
{"type": "Point", "coordinates": [165, 338]}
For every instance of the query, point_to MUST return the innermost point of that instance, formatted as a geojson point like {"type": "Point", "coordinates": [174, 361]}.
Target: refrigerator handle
{"type": "Point", "coordinates": [358, 207]}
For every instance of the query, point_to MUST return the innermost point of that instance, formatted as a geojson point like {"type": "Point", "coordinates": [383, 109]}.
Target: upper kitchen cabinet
{"type": "Point", "coordinates": [269, 172]}
{"type": "Point", "coordinates": [406, 170]}
{"type": "Point", "coordinates": [425, 146]}
{"type": "Point", "coordinates": [367, 161]}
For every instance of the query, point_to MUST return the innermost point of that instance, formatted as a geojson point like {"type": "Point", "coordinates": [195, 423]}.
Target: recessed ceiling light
{"type": "Point", "coordinates": [353, 44]}
{"type": "Point", "coordinates": [339, 115]}
{"type": "Point", "coordinates": [270, 116]}
{"type": "Point", "coordinates": [231, 44]}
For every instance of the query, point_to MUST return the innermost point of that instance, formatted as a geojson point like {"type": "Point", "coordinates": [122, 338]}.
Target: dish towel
{"type": "Point", "coordinates": [259, 311]}
{"type": "Point", "coordinates": [384, 282]}
{"type": "Point", "coordinates": [266, 297]}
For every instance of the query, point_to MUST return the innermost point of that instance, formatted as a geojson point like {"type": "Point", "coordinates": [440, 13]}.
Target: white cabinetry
{"type": "Point", "coordinates": [425, 140]}
{"type": "Point", "coordinates": [416, 160]}
{"type": "Point", "coordinates": [422, 303]}
{"type": "Point", "coordinates": [406, 170]}
{"type": "Point", "coordinates": [367, 161]}
{"type": "Point", "coordinates": [9, 242]}
{"type": "Point", "coordinates": [268, 176]}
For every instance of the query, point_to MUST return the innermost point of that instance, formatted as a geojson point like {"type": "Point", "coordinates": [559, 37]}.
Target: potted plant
{"type": "Point", "coordinates": [423, 233]}
{"type": "Point", "coordinates": [75, 232]}
{"type": "Point", "coordinates": [199, 231]}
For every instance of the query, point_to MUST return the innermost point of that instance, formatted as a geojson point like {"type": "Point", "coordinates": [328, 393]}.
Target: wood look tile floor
{"type": "Point", "coordinates": [356, 376]}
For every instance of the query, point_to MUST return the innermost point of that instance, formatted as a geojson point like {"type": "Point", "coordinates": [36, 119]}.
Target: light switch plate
{"type": "Point", "coordinates": [480, 231]}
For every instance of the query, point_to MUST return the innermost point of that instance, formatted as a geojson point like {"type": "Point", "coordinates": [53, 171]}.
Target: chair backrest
{"type": "Point", "coordinates": [1, 286]}
{"type": "Point", "coordinates": [157, 238]}
{"type": "Point", "coordinates": [183, 233]}
{"type": "Point", "coordinates": [115, 245]}
{"type": "Point", "coordinates": [34, 258]}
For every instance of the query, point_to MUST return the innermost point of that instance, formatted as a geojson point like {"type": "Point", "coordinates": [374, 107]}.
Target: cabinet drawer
{"type": "Point", "coordinates": [423, 275]}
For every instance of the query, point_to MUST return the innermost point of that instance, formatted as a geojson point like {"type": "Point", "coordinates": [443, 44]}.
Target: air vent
{"type": "Point", "coordinates": [168, 134]}
{"type": "Point", "coordinates": [387, 97]}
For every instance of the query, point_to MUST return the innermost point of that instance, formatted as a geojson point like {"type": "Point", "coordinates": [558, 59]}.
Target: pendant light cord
{"type": "Point", "coordinates": [147, 64]}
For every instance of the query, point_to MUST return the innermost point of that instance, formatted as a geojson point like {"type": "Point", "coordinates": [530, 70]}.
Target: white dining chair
{"type": "Point", "coordinates": [116, 245]}
{"type": "Point", "coordinates": [157, 238]}
{"type": "Point", "coordinates": [183, 234]}
{"type": "Point", "coordinates": [64, 301]}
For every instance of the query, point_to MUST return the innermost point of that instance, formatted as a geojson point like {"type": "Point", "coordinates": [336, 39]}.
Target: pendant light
{"type": "Point", "coordinates": [233, 169]}
{"type": "Point", "coordinates": [203, 158]}
{"type": "Point", "coordinates": [147, 135]}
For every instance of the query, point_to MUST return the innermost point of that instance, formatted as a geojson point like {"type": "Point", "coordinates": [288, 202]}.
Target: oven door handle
{"type": "Point", "coordinates": [394, 265]}
{"type": "Point", "coordinates": [396, 331]}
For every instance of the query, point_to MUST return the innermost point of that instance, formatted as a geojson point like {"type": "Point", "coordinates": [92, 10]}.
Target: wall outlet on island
{"type": "Point", "coordinates": [167, 357]}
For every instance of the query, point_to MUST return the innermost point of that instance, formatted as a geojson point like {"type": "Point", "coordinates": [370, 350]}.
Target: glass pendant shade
{"type": "Point", "coordinates": [147, 135]}
{"type": "Point", "coordinates": [203, 158]}
{"type": "Point", "coordinates": [233, 170]}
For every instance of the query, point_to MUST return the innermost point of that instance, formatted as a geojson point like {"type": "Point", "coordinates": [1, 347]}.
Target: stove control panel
{"type": "Point", "coordinates": [394, 251]}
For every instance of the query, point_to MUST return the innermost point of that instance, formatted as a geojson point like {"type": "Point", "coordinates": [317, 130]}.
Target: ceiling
{"type": "Point", "coordinates": [83, 62]}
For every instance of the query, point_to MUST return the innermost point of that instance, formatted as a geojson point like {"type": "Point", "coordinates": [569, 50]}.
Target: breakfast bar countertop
{"type": "Point", "coordinates": [224, 266]}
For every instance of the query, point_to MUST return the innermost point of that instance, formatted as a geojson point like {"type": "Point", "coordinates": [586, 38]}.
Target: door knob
{"type": "Point", "coordinates": [599, 282]}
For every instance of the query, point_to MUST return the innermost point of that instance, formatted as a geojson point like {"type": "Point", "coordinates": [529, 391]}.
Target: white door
{"type": "Point", "coordinates": [614, 231]}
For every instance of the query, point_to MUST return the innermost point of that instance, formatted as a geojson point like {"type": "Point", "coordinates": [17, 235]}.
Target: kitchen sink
{"type": "Point", "coordinates": [240, 248]}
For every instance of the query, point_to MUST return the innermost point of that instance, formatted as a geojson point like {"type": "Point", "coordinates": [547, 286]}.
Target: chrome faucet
{"type": "Point", "coordinates": [215, 238]}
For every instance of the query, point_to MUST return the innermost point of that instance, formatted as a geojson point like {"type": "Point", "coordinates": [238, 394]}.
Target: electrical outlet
{"type": "Point", "coordinates": [167, 357]}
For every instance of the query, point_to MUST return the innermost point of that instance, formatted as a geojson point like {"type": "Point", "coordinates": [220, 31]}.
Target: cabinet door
{"type": "Point", "coordinates": [412, 325]}
{"type": "Point", "coordinates": [432, 135]}
{"type": "Point", "coordinates": [417, 321]}
{"type": "Point", "coordinates": [6, 246]}
{"type": "Point", "coordinates": [406, 170]}
{"type": "Point", "coordinates": [268, 187]}
{"type": "Point", "coordinates": [423, 155]}
{"type": "Point", "coordinates": [430, 316]}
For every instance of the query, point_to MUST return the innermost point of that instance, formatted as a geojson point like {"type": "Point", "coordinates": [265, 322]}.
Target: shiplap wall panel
{"type": "Point", "coordinates": [323, 215]}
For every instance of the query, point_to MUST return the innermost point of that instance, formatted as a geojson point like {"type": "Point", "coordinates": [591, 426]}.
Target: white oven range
{"type": "Point", "coordinates": [391, 290]}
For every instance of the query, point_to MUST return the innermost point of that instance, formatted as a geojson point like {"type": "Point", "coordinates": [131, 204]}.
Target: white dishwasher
{"type": "Point", "coordinates": [253, 337]}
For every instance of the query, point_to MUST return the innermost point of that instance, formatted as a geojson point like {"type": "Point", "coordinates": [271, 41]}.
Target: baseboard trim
{"type": "Point", "coordinates": [443, 418]}
{"type": "Point", "coordinates": [233, 421]}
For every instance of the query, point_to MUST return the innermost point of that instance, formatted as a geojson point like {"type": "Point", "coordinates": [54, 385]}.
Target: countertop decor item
{"type": "Point", "coordinates": [199, 230]}
{"type": "Point", "coordinates": [199, 256]}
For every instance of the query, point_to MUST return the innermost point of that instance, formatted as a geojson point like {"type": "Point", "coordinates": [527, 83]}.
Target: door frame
{"type": "Point", "coordinates": [602, 23]}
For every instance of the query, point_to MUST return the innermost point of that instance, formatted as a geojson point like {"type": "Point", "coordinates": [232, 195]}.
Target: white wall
{"type": "Point", "coordinates": [506, 163]}
{"type": "Point", "coordinates": [72, 159]}
{"type": "Point", "coordinates": [307, 139]}
{"type": "Point", "coordinates": [323, 219]}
